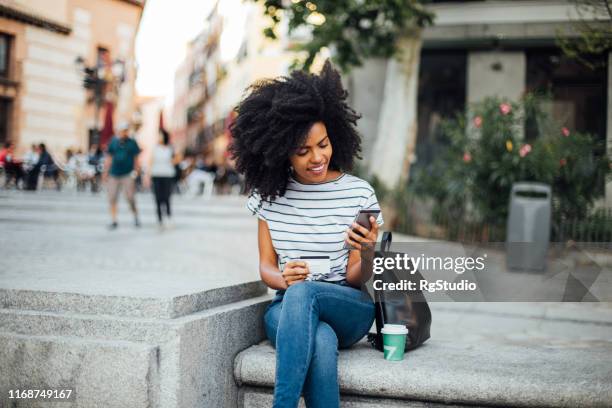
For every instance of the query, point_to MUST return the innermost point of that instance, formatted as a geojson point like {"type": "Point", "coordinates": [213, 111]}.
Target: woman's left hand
{"type": "Point", "coordinates": [367, 236]}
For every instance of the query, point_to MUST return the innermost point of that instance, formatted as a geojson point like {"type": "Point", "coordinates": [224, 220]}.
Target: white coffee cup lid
{"type": "Point", "coordinates": [394, 329]}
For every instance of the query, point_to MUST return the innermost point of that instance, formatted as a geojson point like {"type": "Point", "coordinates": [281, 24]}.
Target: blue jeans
{"type": "Point", "coordinates": [307, 324]}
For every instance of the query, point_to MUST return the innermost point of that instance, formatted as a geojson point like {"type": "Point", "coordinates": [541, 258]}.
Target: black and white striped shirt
{"type": "Point", "coordinates": [311, 219]}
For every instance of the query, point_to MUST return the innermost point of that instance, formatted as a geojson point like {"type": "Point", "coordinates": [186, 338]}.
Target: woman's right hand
{"type": "Point", "coordinates": [295, 272]}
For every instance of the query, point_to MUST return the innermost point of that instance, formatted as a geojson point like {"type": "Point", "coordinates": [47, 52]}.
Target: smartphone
{"type": "Point", "coordinates": [363, 219]}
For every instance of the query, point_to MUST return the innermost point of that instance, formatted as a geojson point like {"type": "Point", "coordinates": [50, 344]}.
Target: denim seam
{"type": "Point", "coordinates": [310, 341]}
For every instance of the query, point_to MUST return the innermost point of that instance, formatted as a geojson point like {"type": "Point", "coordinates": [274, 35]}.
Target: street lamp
{"type": "Point", "coordinates": [97, 78]}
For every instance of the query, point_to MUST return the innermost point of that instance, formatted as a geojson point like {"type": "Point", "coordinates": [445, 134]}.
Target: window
{"type": "Point", "coordinates": [578, 92]}
{"type": "Point", "coordinates": [5, 119]}
{"type": "Point", "coordinates": [5, 48]}
{"type": "Point", "coordinates": [442, 93]}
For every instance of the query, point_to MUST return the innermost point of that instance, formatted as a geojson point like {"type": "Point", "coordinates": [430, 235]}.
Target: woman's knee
{"type": "Point", "coordinates": [300, 291]}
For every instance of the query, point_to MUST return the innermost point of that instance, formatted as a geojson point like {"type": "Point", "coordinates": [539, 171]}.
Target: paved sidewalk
{"type": "Point", "coordinates": [58, 243]}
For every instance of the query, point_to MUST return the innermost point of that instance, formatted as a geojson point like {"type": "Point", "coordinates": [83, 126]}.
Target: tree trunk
{"type": "Point", "coordinates": [397, 124]}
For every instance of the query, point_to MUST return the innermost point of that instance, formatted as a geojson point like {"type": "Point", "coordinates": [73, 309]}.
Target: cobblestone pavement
{"type": "Point", "coordinates": [59, 242]}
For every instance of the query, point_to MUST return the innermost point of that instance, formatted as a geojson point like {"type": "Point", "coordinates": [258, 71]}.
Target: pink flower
{"type": "Point", "coordinates": [562, 162]}
{"type": "Point", "coordinates": [467, 157]}
{"type": "Point", "coordinates": [477, 121]}
{"type": "Point", "coordinates": [565, 131]}
{"type": "Point", "coordinates": [505, 108]}
{"type": "Point", "coordinates": [524, 150]}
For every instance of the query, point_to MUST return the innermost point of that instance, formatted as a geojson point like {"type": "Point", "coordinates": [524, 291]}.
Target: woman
{"type": "Point", "coordinates": [294, 138]}
{"type": "Point", "coordinates": [162, 172]}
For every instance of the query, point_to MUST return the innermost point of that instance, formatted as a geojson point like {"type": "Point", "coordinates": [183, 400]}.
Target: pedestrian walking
{"type": "Point", "coordinates": [162, 174]}
{"type": "Point", "coordinates": [294, 139]}
{"type": "Point", "coordinates": [120, 170]}
{"type": "Point", "coordinates": [96, 162]}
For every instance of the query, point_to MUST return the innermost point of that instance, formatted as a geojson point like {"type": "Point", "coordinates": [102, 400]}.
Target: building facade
{"type": "Point", "coordinates": [195, 83]}
{"type": "Point", "coordinates": [45, 46]}
{"type": "Point", "coordinates": [217, 81]}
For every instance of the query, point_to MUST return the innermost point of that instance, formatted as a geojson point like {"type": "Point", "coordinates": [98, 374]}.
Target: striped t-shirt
{"type": "Point", "coordinates": [311, 219]}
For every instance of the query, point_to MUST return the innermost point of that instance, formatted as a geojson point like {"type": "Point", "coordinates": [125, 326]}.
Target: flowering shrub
{"type": "Point", "coordinates": [474, 172]}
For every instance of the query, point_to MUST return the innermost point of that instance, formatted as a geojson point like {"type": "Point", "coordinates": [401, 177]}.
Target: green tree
{"type": "Point", "coordinates": [353, 29]}
{"type": "Point", "coordinates": [590, 34]}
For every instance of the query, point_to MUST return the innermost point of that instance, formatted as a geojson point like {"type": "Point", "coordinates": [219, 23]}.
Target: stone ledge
{"type": "Point", "coordinates": [111, 328]}
{"type": "Point", "coordinates": [171, 363]}
{"type": "Point", "coordinates": [464, 373]}
{"type": "Point", "coordinates": [141, 307]}
{"type": "Point", "coordinates": [119, 373]}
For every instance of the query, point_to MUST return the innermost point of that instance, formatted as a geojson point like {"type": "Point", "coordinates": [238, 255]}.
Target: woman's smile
{"type": "Point", "coordinates": [318, 170]}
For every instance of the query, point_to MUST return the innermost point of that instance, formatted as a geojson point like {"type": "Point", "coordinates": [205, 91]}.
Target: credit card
{"type": "Point", "coordinates": [317, 265]}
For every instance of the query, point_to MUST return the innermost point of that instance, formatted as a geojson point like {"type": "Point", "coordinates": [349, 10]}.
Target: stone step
{"type": "Point", "coordinates": [457, 372]}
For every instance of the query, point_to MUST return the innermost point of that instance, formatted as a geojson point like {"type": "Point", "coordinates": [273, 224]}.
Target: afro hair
{"type": "Point", "coordinates": [274, 119]}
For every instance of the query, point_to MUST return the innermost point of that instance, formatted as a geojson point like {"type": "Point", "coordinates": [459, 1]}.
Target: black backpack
{"type": "Point", "coordinates": [409, 308]}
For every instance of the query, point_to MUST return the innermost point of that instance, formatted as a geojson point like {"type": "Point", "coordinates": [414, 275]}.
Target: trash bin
{"type": "Point", "coordinates": [528, 229]}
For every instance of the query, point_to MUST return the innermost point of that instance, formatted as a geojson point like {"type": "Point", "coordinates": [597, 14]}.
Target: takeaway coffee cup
{"type": "Point", "coordinates": [394, 341]}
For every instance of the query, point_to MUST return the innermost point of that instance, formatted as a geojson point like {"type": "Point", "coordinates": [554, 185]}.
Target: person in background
{"type": "Point", "coordinates": [96, 161]}
{"type": "Point", "coordinates": [120, 170]}
{"type": "Point", "coordinates": [79, 167]}
{"type": "Point", "coordinates": [47, 165]}
{"type": "Point", "coordinates": [161, 172]}
{"type": "Point", "coordinates": [30, 158]}
{"type": "Point", "coordinates": [13, 169]}
{"type": "Point", "coordinates": [69, 155]}
{"type": "Point", "coordinates": [204, 174]}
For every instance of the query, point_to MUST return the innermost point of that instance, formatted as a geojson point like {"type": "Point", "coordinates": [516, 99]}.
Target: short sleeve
{"type": "Point", "coordinates": [372, 204]}
{"type": "Point", "coordinates": [255, 206]}
{"type": "Point", "coordinates": [111, 147]}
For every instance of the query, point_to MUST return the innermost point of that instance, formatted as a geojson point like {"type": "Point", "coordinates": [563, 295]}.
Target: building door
{"type": "Point", "coordinates": [579, 93]}
{"type": "Point", "coordinates": [442, 95]}
{"type": "Point", "coordinates": [5, 119]}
